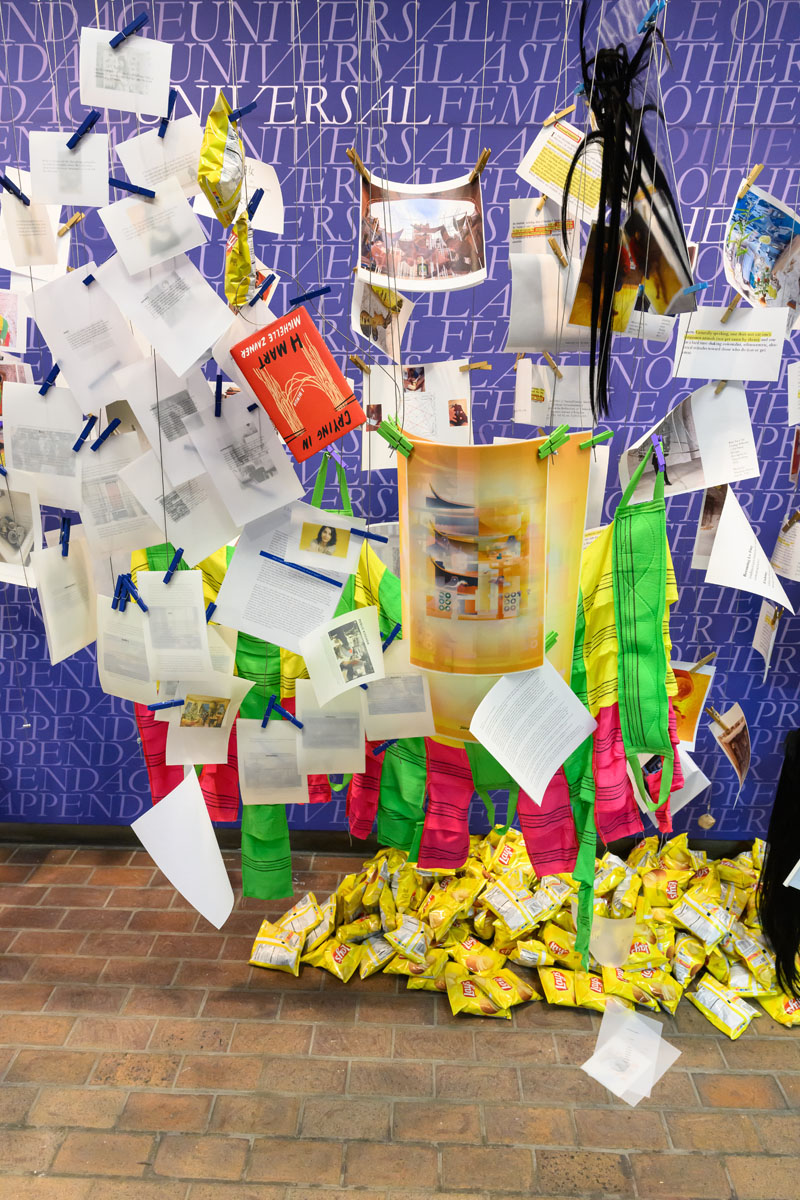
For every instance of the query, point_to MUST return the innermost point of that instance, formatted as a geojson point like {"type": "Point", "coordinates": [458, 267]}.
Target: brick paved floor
{"type": "Point", "coordinates": [141, 1058]}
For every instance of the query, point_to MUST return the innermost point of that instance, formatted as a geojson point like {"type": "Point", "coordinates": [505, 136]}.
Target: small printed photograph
{"type": "Point", "coordinates": [205, 712]}
{"type": "Point", "coordinates": [325, 539]}
{"type": "Point", "coordinates": [761, 253]}
{"type": "Point", "coordinates": [16, 527]}
{"type": "Point", "coordinates": [688, 704]}
{"type": "Point", "coordinates": [9, 320]}
{"type": "Point", "coordinates": [457, 413]}
{"type": "Point", "coordinates": [374, 417]}
{"type": "Point", "coordinates": [794, 466]}
{"type": "Point", "coordinates": [350, 649]}
{"type": "Point", "coordinates": [414, 379]}
{"type": "Point", "coordinates": [380, 315]}
{"type": "Point", "coordinates": [734, 740]}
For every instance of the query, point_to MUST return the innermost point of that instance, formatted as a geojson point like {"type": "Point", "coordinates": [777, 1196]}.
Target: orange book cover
{"type": "Point", "coordinates": [292, 373]}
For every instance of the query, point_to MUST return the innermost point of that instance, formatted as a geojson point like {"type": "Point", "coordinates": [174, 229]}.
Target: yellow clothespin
{"type": "Point", "coordinates": [359, 362]}
{"type": "Point", "coordinates": [479, 165]}
{"type": "Point", "coordinates": [540, 204]}
{"type": "Point", "coordinates": [559, 253]}
{"type": "Point", "coordinates": [65, 228]}
{"type": "Point", "coordinates": [712, 712]}
{"type": "Point", "coordinates": [723, 383]}
{"type": "Point", "coordinates": [479, 366]}
{"type": "Point", "coordinates": [552, 364]}
{"type": "Point", "coordinates": [748, 183]}
{"type": "Point", "coordinates": [729, 310]}
{"type": "Point", "coordinates": [358, 164]}
{"type": "Point", "coordinates": [703, 662]}
{"type": "Point", "coordinates": [520, 355]}
{"type": "Point", "coordinates": [556, 116]}
{"type": "Point", "coordinates": [776, 616]}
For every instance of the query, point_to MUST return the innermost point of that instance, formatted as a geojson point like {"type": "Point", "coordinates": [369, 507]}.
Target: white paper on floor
{"type": "Point", "coordinates": [630, 1055]}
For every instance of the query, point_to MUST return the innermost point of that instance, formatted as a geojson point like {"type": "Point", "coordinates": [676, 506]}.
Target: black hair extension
{"type": "Point", "coordinates": [779, 906]}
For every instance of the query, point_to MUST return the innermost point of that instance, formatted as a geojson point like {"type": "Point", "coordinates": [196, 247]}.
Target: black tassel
{"type": "Point", "coordinates": [779, 906]}
{"type": "Point", "coordinates": [629, 168]}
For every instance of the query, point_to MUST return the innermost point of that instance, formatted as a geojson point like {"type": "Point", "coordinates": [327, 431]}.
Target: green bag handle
{"type": "Point", "coordinates": [339, 787]}
{"type": "Point", "coordinates": [658, 490]}
{"type": "Point", "coordinates": [513, 797]}
{"type": "Point", "coordinates": [322, 479]}
{"type": "Point", "coordinates": [487, 804]}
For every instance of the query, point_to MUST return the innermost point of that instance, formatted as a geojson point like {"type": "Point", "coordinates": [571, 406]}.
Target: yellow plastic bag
{"type": "Point", "coordinates": [558, 986]}
{"type": "Point", "coordinates": [467, 996]}
{"type": "Point", "coordinates": [375, 954]}
{"type": "Point", "coordinates": [220, 171]}
{"type": "Point", "coordinates": [337, 957]}
{"type": "Point", "coordinates": [411, 937]}
{"type": "Point", "coordinates": [277, 950]}
{"type": "Point", "coordinates": [561, 944]}
{"type": "Point", "coordinates": [361, 928]}
{"type": "Point", "coordinates": [782, 1008]}
{"type": "Point", "coordinates": [302, 917]}
{"type": "Point", "coordinates": [617, 983]}
{"type": "Point", "coordinates": [723, 1008]}
{"type": "Point", "coordinates": [320, 932]}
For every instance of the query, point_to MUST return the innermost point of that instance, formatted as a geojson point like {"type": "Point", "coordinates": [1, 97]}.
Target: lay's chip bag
{"type": "Point", "coordinates": [467, 996]}
{"type": "Point", "coordinates": [277, 950]}
{"type": "Point", "coordinates": [339, 958]}
{"type": "Point", "coordinates": [220, 171]}
{"type": "Point", "coordinates": [723, 1008]}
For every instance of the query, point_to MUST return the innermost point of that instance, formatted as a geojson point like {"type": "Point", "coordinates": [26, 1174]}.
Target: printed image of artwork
{"type": "Point", "coordinates": [734, 740]}
{"type": "Point", "coordinates": [794, 465]}
{"type": "Point", "coordinates": [325, 539]}
{"type": "Point", "coordinates": [374, 417]}
{"type": "Point", "coordinates": [457, 415]}
{"type": "Point", "coordinates": [10, 322]}
{"type": "Point", "coordinates": [350, 649]}
{"type": "Point", "coordinates": [423, 238]}
{"type": "Point", "coordinates": [206, 712]}
{"type": "Point", "coordinates": [16, 527]}
{"type": "Point", "coordinates": [688, 704]}
{"type": "Point", "coordinates": [414, 379]}
{"type": "Point", "coordinates": [761, 252]}
{"type": "Point", "coordinates": [380, 315]}
{"type": "Point", "coordinates": [472, 523]}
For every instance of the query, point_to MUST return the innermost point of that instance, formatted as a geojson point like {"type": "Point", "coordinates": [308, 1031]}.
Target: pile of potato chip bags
{"type": "Point", "coordinates": [467, 932]}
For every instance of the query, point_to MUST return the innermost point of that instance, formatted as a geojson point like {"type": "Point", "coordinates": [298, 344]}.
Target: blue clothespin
{"type": "Point", "coordinates": [211, 608]}
{"type": "Point", "coordinates": [696, 287]}
{"type": "Point", "coordinates": [658, 451]}
{"type": "Point", "coordinates": [255, 200]}
{"type": "Point", "coordinates": [323, 291]}
{"type": "Point", "coordinates": [173, 566]}
{"type": "Point", "coordinates": [305, 570]}
{"type": "Point", "coordinates": [10, 186]}
{"type": "Point", "coordinates": [87, 429]}
{"type": "Point", "coordinates": [166, 704]}
{"type": "Point", "coordinates": [252, 407]}
{"type": "Point", "coordinates": [390, 638]}
{"type": "Point", "coordinates": [580, 90]}
{"type": "Point", "coordinates": [266, 284]}
{"type": "Point", "coordinates": [128, 30]}
{"type": "Point", "coordinates": [88, 279]}
{"type": "Point", "coordinates": [173, 96]}
{"type": "Point", "coordinates": [132, 592]}
{"type": "Point", "coordinates": [50, 379]}
{"type": "Point", "coordinates": [63, 537]}
{"type": "Point", "coordinates": [3, 472]}
{"type": "Point", "coordinates": [372, 537]}
{"type": "Point", "coordinates": [131, 187]}
{"type": "Point", "coordinates": [364, 687]}
{"type": "Point", "coordinates": [109, 429]}
{"type": "Point", "coordinates": [650, 15]}
{"type": "Point", "coordinates": [384, 746]}
{"type": "Point", "coordinates": [335, 455]}
{"type": "Point", "coordinates": [118, 590]}
{"type": "Point", "coordinates": [274, 706]}
{"type": "Point", "coordinates": [218, 397]}
{"type": "Point", "coordinates": [236, 114]}
{"type": "Point", "coordinates": [86, 124]}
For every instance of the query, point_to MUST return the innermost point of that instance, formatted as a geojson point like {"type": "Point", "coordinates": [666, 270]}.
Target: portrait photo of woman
{"type": "Point", "coordinates": [325, 541]}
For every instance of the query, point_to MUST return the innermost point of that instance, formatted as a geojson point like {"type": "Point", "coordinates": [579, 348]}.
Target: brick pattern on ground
{"type": "Point", "coordinates": [142, 1058]}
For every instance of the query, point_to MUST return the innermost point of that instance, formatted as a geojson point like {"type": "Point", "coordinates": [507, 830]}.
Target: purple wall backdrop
{"type": "Point", "coordinates": [419, 91]}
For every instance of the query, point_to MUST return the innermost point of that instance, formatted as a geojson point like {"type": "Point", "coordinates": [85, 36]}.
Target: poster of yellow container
{"type": "Point", "coordinates": [472, 537]}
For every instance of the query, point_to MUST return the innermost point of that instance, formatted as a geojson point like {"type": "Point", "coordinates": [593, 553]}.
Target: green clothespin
{"type": "Point", "coordinates": [550, 641]}
{"type": "Point", "coordinates": [605, 436]}
{"type": "Point", "coordinates": [557, 438]}
{"type": "Point", "coordinates": [390, 431]}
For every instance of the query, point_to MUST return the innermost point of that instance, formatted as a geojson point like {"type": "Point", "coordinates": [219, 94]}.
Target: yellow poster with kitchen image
{"type": "Point", "coordinates": [472, 530]}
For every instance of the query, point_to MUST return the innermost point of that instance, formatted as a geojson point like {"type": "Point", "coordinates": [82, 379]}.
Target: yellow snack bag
{"type": "Point", "coordinates": [375, 954]}
{"type": "Point", "coordinates": [663, 887]}
{"type": "Point", "coordinates": [623, 902]}
{"type": "Point", "coordinates": [723, 1008]}
{"type": "Point", "coordinates": [446, 900]}
{"type": "Point", "coordinates": [508, 903]}
{"type": "Point", "coordinates": [661, 986]}
{"type": "Point", "coordinates": [617, 983]}
{"type": "Point", "coordinates": [609, 871]}
{"type": "Point", "coordinates": [758, 852]}
{"type": "Point", "coordinates": [564, 920]}
{"type": "Point", "coordinates": [477, 958]}
{"type": "Point", "coordinates": [550, 896]}
{"type": "Point", "coordinates": [644, 951]}
{"type": "Point", "coordinates": [337, 957]}
{"type": "Point", "coordinates": [431, 966]}
{"type": "Point", "coordinates": [302, 917]}
{"type": "Point", "coordinates": [411, 937]}
{"type": "Point", "coordinates": [277, 950]}
{"type": "Point", "coordinates": [643, 854]}
{"type": "Point", "coordinates": [676, 855]}
{"type": "Point", "coordinates": [511, 855]}
{"type": "Point", "coordinates": [705, 919]}
{"type": "Point", "coordinates": [601, 906]}
{"type": "Point", "coordinates": [428, 976]}
{"type": "Point", "coordinates": [732, 898]}
{"type": "Point", "coordinates": [782, 1008]}
{"type": "Point", "coordinates": [589, 992]}
{"type": "Point", "coordinates": [486, 925]}
{"type": "Point", "coordinates": [719, 965]}
{"type": "Point", "coordinates": [558, 986]}
{"type": "Point", "coordinates": [408, 890]}
{"type": "Point", "coordinates": [221, 168]}
{"type": "Point", "coordinates": [361, 928]}
{"type": "Point", "coordinates": [507, 989]}
{"type": "Point", "coordinates": [706, 876]}
{"type": "Point", "coordinates": [690, 957]}
{"type": "Point", "coordinates": [377, 876]}
{"type": "Point", "coordinates": [738, 871]}
{"type": "Point", "coordinates": [744, 983]}
{"type": "Point", "coordinates": [320, 932]}
{"type": "Point", "coordinates": [239, 263]}
{"type": "Point", "coordinates": [753, 952]}
{"type": "Point", "coordinates": [387, 908]}
{"type": "Point", "coordinates": [466, 995]}
{"type": "Point", "coordinates": [455, 934]}
{"type": "Point", "coordinates": [665, 939]}
{"type": "Point", "coordinates": [530, 952]}
{"type": "Point", "coordinates": [349, 896]}
{"type": "Point", "coordinates": [561, 944]}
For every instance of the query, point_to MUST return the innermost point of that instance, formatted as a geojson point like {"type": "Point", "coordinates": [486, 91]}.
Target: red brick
{"type": "Point", "coordinates": [195, 1034]}
{"type": "Point", "coordinates": [237, 948]}
{"type": "Point", "coordinates": [24, 997]}
{"type": "Point", "coordinates": [756, 1177]}
{"type": "Point", "coordinates": [546, 1016]}
{"type": "Point", "coordinates": [135, 945]}
{"type": "Point", "coordinates": [51, 1066]}
{"type": "Point", "coordinates": [136, 1070]}
{"type": "Point", "coordinates": [506, 1046]}
{"type": "Point", "coordinates": [341, 864]}
{"type": "Point", "coordinates": [391, 1166]}
{"type": "Point", "coordinates": [106, 856]}
{"type": "Point", "coordinates": [306, 1076]}
{"type": "Point", "coordinates": [194, 945]}
{"type": "Point", "coordinates": [257, 1114]}
{"type": "Point", "coordinates": [69, 998]}
{"type": "Point", "coordinates": [22, 893]}
{"type": "Point", "coordinates": [250, 1191]}
{"type": "Point", "coordinates": [21, 917]}
{"type": "Point", "coordinates": [202, 973]}
{"type": "Point", "coordinates": [133, 877]}
{"type": "Point", "coordinates": [90, 919]}
{"type": "Point", "coordinates": [220, 1072]}
{"type": "Point", "coordinates": [104, 1154]}
{"type": "Point", "coordinates": [42, 854]}
{"type": "Point", "coordinates": [184, 1157]}
{"type": "Point", "coordinates": [78, 896]}
{"type": "Point", "coordinates": [316, 1006]}
{"type": "Point", "coordinates": [702, 1052]}
{"type": "Point", "coordinates": [13, 967]}
{"type": "Point", "coordinates": [405, 1008]}
{"type": "Point", "coordinates": [762, 1054]}
{"type": "Point", "coordinates": [37, 1187]}
{"type": "Point", "coordinates": [39, 1030]}
{"type": "Point", "coordinates": [14, 1103]}
{"type": "Point", "coordinates": [271, 1037]}
{"type": "Point", "coordinates": [158, 921]}
{"type": "Point", "coordinates": [161, 1111]}
{"type": "Point", "coordinates": [120, 1189]}
{"type": "Point", "coordinates": [779, 1135]}
{"type": "Point", "coordinates": [12, 874]}
{"type": "Point", "coordinates": [434, 1123]}
{"type": "Point", "coordinates": [240, 1005]}
{"type": "Point", "coordinates": [675, 1176]}
{"type": "Point", "coordinates": [526, 1125]}
{"type": "Point", "coordinates": [138, 897]}
{"type": "Point", "coordinates": [77, 1106]}
{"type": "Point", "coordinates": [739, 1091]}
{"type": "Point", "coordinates": [711, 1131]}
{"type": "Point", "coordinates": [673, 1090]}
{"type": "Point", "coordinates": [479, 1083]}
{"type": "Point", "coordinates": [27, 1149]}
{"type": "Point", "coordinates": [164, 1002]}
{"type": "Point", "coordinates": [111, 1033]}
{"type": "Point", "coordinates": [342, 1118]}
{"type": "Point", "coordinates": [390, 1079]}
{"type": "Point", "coordinates": [791, 1086]}
{"type": "Point", "coordinates": [347, 1041]}
{"type": "Point", "coordinates": [450, 1045]}
{"type": "Point", "coordinates": [134, 970]}
{"type": "Point", "coordinates": [49, 942]}
{"type": "Point", "coordinates": [486, 1167]}
{"type": "Point", "coordinates": [59, 873]}
{"type": "Point", "coordinates": [571, 1172]}
{"type": "Point", "coordinates": [622, 1131]}
{"type": "Point", "coordinates": [66, 969]}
